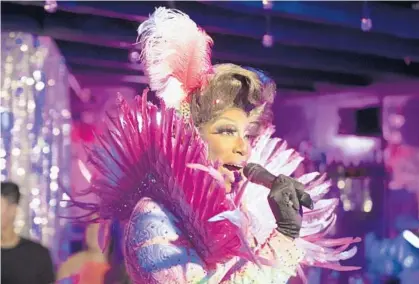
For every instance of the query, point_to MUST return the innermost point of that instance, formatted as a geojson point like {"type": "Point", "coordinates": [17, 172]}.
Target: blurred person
{"type": "Point", "coordinates": [94, 265]}
{"type": "Point", "coordinates": [89, 263]}
{"type": "Point", "coordinates": [22, 260]}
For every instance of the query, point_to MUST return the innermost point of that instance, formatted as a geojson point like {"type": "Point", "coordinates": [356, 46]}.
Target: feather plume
{"type": "Point", "coordinates": [138, 156]}
{"type": "Point", "coordinates": [273, 154]}
{"type": "Point", "coordinates": [176, 54]}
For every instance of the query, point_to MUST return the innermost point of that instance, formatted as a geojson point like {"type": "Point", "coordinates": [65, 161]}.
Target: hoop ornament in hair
{"type": "Point", "coordinates": [176, 54]}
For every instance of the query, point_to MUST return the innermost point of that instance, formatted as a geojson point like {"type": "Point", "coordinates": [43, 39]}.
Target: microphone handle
{"type": "Point", "coordinates": [257, 174]}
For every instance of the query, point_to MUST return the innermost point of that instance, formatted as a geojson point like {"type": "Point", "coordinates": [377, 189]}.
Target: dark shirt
{"type": "Point", "coordinates": [26, 263]}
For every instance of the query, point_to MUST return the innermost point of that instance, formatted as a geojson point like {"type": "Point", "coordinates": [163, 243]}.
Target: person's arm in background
{"type": "Point", "coordinates": [66, 268]}
{"type": "Point", "coordinates": [71, 267]}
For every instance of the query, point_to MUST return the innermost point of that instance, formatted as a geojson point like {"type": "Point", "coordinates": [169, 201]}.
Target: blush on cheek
{"type": "Point", "coordinates": [215, 149]}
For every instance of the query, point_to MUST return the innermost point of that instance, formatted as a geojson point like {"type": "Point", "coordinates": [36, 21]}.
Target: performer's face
{"type": "Point", "coordinates": [229, 138]}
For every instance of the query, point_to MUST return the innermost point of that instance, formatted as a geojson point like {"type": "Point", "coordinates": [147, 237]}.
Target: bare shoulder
{"type": "Point", "coordinates": [72, 265]}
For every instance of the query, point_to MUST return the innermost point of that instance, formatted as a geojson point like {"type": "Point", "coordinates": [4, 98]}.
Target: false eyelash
{"type": "Point", "coordinates": [228, 131]}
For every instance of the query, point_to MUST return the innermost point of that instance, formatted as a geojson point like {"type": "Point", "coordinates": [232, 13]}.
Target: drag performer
{"type": "Point", "coordinates": [174, 173]}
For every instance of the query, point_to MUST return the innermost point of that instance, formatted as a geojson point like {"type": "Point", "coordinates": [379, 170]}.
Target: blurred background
{"type": "Point", "coordinates": [348, 100]}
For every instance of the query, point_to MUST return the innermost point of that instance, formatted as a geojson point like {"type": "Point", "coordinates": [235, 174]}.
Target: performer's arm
{"type": "Point", "coordinates": [157, 251]}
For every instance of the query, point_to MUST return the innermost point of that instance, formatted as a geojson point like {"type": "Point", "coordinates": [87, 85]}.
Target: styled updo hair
{"type": "Point", "coordinates": [234, 86]}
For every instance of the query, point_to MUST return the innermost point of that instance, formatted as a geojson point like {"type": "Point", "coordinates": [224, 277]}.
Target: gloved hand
{"type": "Point", "coordinates": [285, 205]}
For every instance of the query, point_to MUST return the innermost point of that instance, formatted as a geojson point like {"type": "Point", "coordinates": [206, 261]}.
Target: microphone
{"type": "Point", "coordinates": [259, 175]}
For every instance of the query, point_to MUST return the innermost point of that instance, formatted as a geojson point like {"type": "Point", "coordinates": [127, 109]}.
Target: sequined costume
{"type": "Point", "coordinates": [181, 225]}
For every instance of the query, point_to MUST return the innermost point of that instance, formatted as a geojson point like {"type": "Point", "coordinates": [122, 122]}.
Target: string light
{"type": "Point", "coordinates": [134, 56]}
{"type": "Point", "coordinates": [267, 40]}
{"type": "Point", "coordinates": [34, 144]}
{"type": "Point", "coordinates": [366, 22]}
{"type": "Point", "coordinates": [50, 6]}
{"type": "Point", "coordinates": [267, 4]}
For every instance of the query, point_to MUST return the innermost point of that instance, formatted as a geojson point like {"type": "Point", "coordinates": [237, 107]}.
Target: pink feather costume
{"type": "Point", "coordinates": [181, 225]}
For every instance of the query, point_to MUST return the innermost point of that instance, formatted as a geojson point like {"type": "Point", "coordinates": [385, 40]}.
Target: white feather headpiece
{"type": "Point", "coordinates": [176, 54]}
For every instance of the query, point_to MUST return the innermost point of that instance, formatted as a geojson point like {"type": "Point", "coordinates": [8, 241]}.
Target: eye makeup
{"type": "Point", "coordinates": [225, 130]}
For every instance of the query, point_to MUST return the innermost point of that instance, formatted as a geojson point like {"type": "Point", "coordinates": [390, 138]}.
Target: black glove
{"type": "Point", "coordinates": [285, 205]}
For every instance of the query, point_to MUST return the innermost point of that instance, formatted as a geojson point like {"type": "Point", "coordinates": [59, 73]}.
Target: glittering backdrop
{"type": "Point", "coordinates": [401, 115]}
{"type": "Point", "coordinates": [35, 133]}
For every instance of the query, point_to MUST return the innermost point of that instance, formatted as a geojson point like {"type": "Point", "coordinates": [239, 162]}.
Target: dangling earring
{"type": "Point", "coordinates": [185, 109]}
